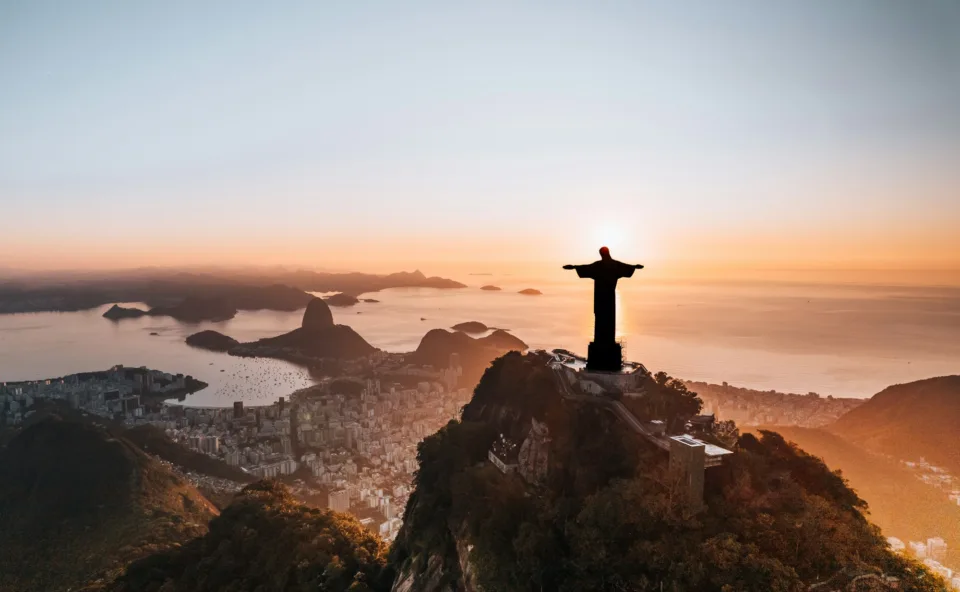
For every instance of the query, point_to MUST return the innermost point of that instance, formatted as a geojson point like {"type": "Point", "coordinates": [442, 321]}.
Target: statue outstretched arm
{"type": "Point", "coordinates": [569, 266]}
{"type": "Point", "coordinates": [638, 266]}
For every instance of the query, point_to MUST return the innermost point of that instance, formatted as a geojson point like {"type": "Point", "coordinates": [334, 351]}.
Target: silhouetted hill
{"type": "Point", "coordinates": [503, 340]}
{"type": "Point", "coordinates": [598, 509]}
{"type": "Point", "coordinates": [317, 315]}
{"type": "Point", "coordinates": [265, 540]}
{"type": "Point", "coordinates": [338, 341]}
{"type": "Point", "coordinates": [212, 340]}
{"type": "Point", "coordinates": [900, 504]}
{"type": "Point", "coordinates": [491, 288]}
{"type": "Point", "coordinates": [341, 299]}
{"type": "Point", "coordinates": [196, 309]}
{"type": "Point", "coordinates": [470, 327]}
{"type": "Point", "coordinates": [530, 292]}
{"type": "Point", "coordinates": [117, 312]}
{"type": "Point", "coordinates": [360, 283]}
{"type": "Point", "coordinates": [909, 421]}
{"type": "Point", "coordinates": [77, 504]}
{"type": "Point", "coordinates": [475, 354]}
{"type": "Point", "coordinates": [317, 337]}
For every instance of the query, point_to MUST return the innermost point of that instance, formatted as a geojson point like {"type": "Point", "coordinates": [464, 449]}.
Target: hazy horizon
{"type": "Point", "coordinates": [742, 135]}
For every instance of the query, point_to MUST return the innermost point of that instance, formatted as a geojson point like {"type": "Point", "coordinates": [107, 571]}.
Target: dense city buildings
{"type": "Point", "coordinates": [932, 553]}
{"type": "Point", "coordinates": [349, 442]}
{"type": "Point", "coordinates": [748, 407]}
{"type": "Point", "coordinates": [120, 391]}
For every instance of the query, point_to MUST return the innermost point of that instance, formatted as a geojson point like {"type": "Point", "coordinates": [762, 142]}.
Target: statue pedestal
{"type": "Point", "coordinates": [604, 357]}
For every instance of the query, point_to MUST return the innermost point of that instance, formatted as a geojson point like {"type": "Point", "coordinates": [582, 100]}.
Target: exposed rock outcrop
{"type": "Point", "coordinates": [317, 316]}
{"type": "Point", "coordinates": [534, 456]}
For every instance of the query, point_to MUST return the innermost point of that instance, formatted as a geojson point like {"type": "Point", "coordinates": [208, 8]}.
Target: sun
{"type": "Point", "coordinates": [609, 235]}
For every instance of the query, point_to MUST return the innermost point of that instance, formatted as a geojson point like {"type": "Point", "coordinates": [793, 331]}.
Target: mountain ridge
{"type": "Point", "coordinates": [908, 421]}
{"type": "Point", "coordinates": [82, 503]}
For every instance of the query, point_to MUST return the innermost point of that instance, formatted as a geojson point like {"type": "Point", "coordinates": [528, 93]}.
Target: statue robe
{"type": "Point", "coordinates": [605, 274]}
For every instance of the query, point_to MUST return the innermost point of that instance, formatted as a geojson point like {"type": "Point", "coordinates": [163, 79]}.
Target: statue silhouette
{"type": "Point", "coordinates": [604, 353]}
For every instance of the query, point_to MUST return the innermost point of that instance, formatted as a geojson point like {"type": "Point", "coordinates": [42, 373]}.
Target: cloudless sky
{"type": "Point", "coordinates": [385, 135]}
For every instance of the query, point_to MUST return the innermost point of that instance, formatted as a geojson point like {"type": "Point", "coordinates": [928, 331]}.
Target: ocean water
{"type": "Point", "coordinates": [841, 340]}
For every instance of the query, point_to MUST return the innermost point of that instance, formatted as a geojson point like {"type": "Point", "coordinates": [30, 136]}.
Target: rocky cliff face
{"type": "Point", "coordinates": [534, 454]}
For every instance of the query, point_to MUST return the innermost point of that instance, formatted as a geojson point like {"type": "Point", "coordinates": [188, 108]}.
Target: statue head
{"type": "Point", "coordinates": [604, 253]}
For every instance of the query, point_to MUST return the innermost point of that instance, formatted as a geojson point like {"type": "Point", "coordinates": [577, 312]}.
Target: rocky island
{"type": "Point", "coordinates": [190, 310]}
{"type": "Point", "coordinates": [530, 292]}
{"type": "Point", "coordinates": [341, 299]}
{"type": "Point", "coordinates": [212, 340]}
{"type": "Point", "coordinates": [118, 312]}
{"type": "Point", "coordinates": [197, 310]}
{"type": "Point", "coordinates": [491, 288]}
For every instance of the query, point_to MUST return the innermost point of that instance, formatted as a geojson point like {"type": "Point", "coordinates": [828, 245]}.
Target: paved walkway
{"type": "Point", "coordinates": [616, 407]}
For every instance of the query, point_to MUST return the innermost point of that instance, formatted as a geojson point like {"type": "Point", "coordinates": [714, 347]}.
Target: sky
{"type": "Point", "coordinates": [390, 135]}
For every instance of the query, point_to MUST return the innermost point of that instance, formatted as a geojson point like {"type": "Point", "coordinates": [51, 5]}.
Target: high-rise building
{"type": "Point", "coordinates": [237, 409]}
{"type": "Point", "coordinates": [339, 501]}
{"type": "Point", "coordinates": [896, 545]}
{"type": "Point", "coordinates": [918, 549]}
{"type": "Point", "coordinates": [688, 462]}
{"type": "Point", "coordinates": [936, 548]}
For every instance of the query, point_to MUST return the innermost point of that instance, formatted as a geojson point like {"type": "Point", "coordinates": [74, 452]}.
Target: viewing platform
{"type": "Point", "coordinates": [688, 455]}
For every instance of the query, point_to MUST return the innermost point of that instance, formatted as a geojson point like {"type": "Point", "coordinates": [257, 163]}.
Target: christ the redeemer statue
{"type": "Point", "coordinates": [604, 353]}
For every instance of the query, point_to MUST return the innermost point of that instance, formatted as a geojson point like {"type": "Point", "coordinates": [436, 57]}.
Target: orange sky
{"type": "Point", "coordinates": [708, 141]}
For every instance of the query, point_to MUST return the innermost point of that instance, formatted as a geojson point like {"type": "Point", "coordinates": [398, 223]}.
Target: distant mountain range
{"type": "Point", "coordinates": [169, 289]}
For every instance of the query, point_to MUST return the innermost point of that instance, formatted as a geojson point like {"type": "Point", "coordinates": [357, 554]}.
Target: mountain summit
{"type": "Point", "coordinates": [541, 488]}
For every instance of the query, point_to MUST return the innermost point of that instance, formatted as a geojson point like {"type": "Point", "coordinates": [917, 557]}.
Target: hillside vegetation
{"type": "Point", "coordinates": [909, 421]}
{"type": "Point", "coordinates": [78, 504]}
{"type": "Point", "coordinates": [900, 504]}
{"type": "Point", "coordinates": [266, 541]}
{"type": "Point", "coordinates": [610, 516]}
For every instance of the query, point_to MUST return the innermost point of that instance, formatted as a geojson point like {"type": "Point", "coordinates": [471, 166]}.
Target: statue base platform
{"type": "Point", "coordinates": [604, 357]}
